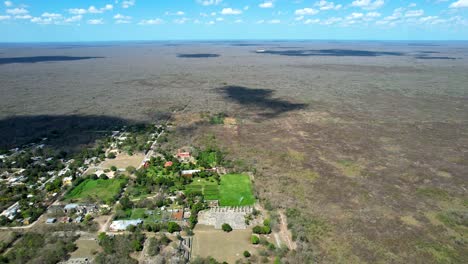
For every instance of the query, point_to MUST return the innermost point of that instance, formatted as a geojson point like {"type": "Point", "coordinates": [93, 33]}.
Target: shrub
{"type": "Point", "coordinates": [255, 240]}
{"type": "Point", "coordinates": [246, 254]}
{"type": "Point", "coordinates": [113, 168]}
{"type": "Point", "coordinates": [173, 227]}
{"type": "Point", "coordinates": [226, 227]}
{"type": "Point", "coordinates": [111, 155]}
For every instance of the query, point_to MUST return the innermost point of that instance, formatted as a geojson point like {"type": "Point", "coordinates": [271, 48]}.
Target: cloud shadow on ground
{"type": "Point", "coordinates": [43, 59]}
{"type": "Point", "coordinates": [197, 55]}
{"type": "Point", "coordinates": [261, 99]}
{"type": "Point", "coordinates": [67, 132]}
{"type": "Point", "coordinates": [332, 52]}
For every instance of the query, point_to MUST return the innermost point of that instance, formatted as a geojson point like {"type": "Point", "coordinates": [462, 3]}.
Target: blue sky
{"type": "Point", "coordinates": [100, 20]}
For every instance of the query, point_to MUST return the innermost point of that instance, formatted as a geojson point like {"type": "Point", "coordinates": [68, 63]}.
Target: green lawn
{"type": "Point", "coordinates": [101, 190]}
{"type": "Point", "coordinates": [235, 190]}
{"type": "Point", "coordinates": [209, 189]}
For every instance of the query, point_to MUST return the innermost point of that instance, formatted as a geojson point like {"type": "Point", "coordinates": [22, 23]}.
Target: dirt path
{"type": "Point", "coordinates": [285, 233]}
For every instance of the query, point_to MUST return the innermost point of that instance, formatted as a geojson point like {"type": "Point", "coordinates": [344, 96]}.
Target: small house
{"type": "Point", "coordinates": [168, 164]}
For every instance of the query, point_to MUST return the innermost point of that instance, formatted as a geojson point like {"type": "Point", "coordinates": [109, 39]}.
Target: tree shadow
{"type": "Point", "coordinates": [259, 99]}
{"type": "Point", "coordinates": [62, 132]}
{"type": "Point", "coordinates": [332, 52]}
{"type": "Point", "coordinates": [198, 55]}
{"type": "Point", "coordinates": [43, 59]}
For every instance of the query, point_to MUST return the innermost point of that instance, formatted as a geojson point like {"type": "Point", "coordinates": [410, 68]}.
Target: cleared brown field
{"type": "Point", "coordinates": [123, 160]}
{"type": "Point", "coordinates": [221, 245]}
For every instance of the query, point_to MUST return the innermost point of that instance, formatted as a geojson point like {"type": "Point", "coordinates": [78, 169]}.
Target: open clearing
{"type": "Point", "coordinates": [86, 248]}
{"type": "Point", "coordinates": [123, 160]}
{"type": "Point", "coordinates": [207, 242]}
{"type": "Point", "coordinates": [104, 190]}
{"type": "Point", "coordinates": [236, 190]}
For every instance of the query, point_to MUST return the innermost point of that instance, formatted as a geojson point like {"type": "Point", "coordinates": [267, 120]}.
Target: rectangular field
{"type": "Point", "coordinates": [236, 190]}
{"type": "Point", "coordinates": [103, 190]}
{"type": "Point", "coordinates": [233, 244]}
{"type": "Point", "coordinates": [209, 189]}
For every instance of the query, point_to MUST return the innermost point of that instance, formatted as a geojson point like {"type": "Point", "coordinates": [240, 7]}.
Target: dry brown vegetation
{"type": "Point", "coordinates": [366, 155]}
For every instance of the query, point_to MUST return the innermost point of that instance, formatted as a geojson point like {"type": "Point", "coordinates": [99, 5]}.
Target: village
{"type": "Point", "coordinates": [129, 187]}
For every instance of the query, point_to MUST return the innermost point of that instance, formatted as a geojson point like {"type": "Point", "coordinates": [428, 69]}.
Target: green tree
{"type": "Point", "coordinates": [247, 254]}
{"type": "Point", "coordinates": [226, 227]}
{"type": "Point", "coordinates": [255, 239]}
{"type": "Point", "coordinates": [173, 227]}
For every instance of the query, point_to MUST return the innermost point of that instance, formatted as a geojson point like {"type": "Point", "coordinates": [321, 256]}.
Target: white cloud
{"type": "Point", "coordinates": [238, 21]}
{"type": "Point", "coordinates": [155, 21]}
{"type": "Point", "coordinates": [459, 4]}
{"type": "Point", "coordinates": [260, 21]}
{"type": "Point", "coordinates": [73, 19]}
{"type": "Point", "coordinates": [8, 3]}
{"type": "Point", "coordinates": [312, 21]}
{"type": "Point", "coordinates": [23, 17]}
{"type": "Point", "coordinates": [230, 11]}
{"type": "Point", "coordinates": [181, 20]}
{"type": "Point", "coordinates": [324, 5]}
{"type": "Point", "coordinates": [246, 7]}
{"type": "Point", "coordinates": [42, 21]}
{"type": "Point", "coordinates": [94, 10]}
{"type": "Point", "coordinates": [77, 11]}
{"type": "Point", "coordinates": [95, 21]}
{"type": "Point", "coordinates": [373, 14]}
{"type": "Point", "coordinates": [209, 2]}
{"type": "Point", "coordinates": [414, 13]}
{"type": "Point", "coordinates": [274, 21]}
{"type": "Point", "coordinates": [219, 19]}
{"type": "Point", "coordinates": [331, 21]}
{"type": "Point", "coordinates": [368, 4]}
{"type": "Point", "coordinates": [211, 23]}
{"type": "Point", "coordinates": [355, 16]}
{"type": "Point", "coordinates": [121, 19]}
{"type": "Point", "coordinates": [4, 17]}
{"type": "Point", "coordinates": [17, 11]}
{"type": "Point", "coordinates": [51, 15]}
{"type": "Point", "coordinates": [128, 3]}
{"type": "Point", "coordinates": [299, 18]}
{"type": "Point", "coordinates": [267, 4]}
{"type": "Point", "coordinates": [178, 13]}
{"type": "Point", "coordinates": [306, 11]}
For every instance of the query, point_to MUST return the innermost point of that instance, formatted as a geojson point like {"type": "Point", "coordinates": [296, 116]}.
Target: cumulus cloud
{"type": "Point", "coordinates": [325, 5]}
{"type": "Point", "coordinates": [267, 4]}
{"type": "Point", "coordinates": [155, 21]}
{"type": "Point", "coordinates": [459, 4]}
{"type": "Point", "coordinates": [128, 3]}
{"type": "Point", "coordinates": [414, 13]}
{"type": "Point", "coordinates": [73, 19]}
{"type": "Point", "coordinates": [23, 16]}
{"type": "Point", "coordinates": [274, 21]}
{"type": "Point", "coordinates": [182, 20]}
{"type": "Point", "coordinates": [17, 11]}
{"type": "Point", "coordinates": [312, 21]}
{"type": "Point", "coordinates": [96, 21]}
{"type": "Point", "coordinates": [306, 11]}
{"type": "Point", "coordinates": [209, 2]}
{"type": "Point", "coordinates": [91, 9]}
{"type": "Point", "coordinates": [52, 15]}
{"type": "Point", "coordinates": [368, 4]}
{"type": "Point", "coordinates": [4, 17]}
{"type": "Point", "coordinates": [8, 3]}
{"type": "Point", "coordinates": [120, 16]}
{"type": "Point", "coordinates": [230, 11]}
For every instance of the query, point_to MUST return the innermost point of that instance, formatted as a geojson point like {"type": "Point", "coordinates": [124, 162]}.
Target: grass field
{"type": "Point", "coordinates": [235, 190]}
{"type": "Point", "coordinates": [104, 190]}
{"type": "Point", "coordinates": [209, 189]}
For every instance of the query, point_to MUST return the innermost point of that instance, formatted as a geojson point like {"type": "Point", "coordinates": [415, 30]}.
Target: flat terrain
{"type": "Point", "coordinates": [210, 189]}
{"type": "Point", "coordinates": [103, 190]}
{"type": "Point", "coordinates": [235, 190]}
{"type": "Point", "coordinates": [86, 248]}
{"type": "Point", "coordinates": [206, 242]}
{"type": "Point", "coordinates": [123, 160]}
{"type": "Point", "coordinates": [362, 144]}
